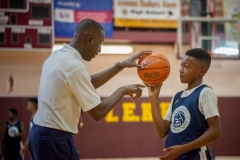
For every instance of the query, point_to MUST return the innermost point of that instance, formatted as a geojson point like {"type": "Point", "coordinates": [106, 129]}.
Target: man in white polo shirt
{"type": "Point", "coordinates": [66, 88]}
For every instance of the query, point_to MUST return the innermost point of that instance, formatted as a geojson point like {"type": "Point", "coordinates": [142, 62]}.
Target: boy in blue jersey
{"type": "Point", "coordinates": [1, 135]}
{"type": "Point", "coordinates": [192, 120]}
{"type": "Point", "coordinates": [13, 131]}
{"type": "Point", "coordinates": [32, 108]}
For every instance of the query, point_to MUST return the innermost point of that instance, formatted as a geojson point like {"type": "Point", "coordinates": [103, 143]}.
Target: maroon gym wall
{"type": "Point", "coordinates": [135, 139]}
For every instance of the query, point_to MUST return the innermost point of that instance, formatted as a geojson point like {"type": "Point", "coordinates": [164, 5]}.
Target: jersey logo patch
{"type": "Point", "coordinates": [180, 119]}
{"type": "Point", "coordinates": [12, 131]}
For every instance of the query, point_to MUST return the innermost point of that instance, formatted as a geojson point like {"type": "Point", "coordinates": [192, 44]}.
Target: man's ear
{"type": "Point", "coordinates": [88, 39]}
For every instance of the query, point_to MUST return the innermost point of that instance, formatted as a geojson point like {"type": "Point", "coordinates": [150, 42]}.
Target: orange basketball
{"type": "Point", "coordinates": [156, 69]}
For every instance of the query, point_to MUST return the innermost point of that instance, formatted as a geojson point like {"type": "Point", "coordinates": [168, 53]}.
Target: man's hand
{"type": "Point", "coordinates": [131, 62]}
{"type": "Point", "coordinates": [134, 90]}
{"type": "Point", "coordinates": [172, 152]}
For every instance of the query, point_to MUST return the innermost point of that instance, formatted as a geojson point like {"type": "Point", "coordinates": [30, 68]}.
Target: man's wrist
{"type": "Point", "coordinates": [123, 90]}
{"type": "Point", "coordinates": [118, 66]}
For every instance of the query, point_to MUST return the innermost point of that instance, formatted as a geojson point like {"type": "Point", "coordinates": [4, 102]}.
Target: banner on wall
{"type": "Point", "coordinates": [150, 13]}
{"type": "Point", "coordinates": [69, 13]}
{"type": "Point", "coordinates": [231, 9]}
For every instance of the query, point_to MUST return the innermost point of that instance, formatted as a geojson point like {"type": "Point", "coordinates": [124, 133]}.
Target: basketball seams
{"type": "Point", "coordinates": [158, 58]}
{"type": "Point", "coordinates": [152, 68]}
{"type": "Point", "coordinates": [167, 64]}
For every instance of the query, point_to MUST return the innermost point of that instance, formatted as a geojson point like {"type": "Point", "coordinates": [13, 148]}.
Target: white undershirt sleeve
{"type": "Point", "coordinates": [208, 103]}
{"type": "Point", "coordinates": [169, 112]}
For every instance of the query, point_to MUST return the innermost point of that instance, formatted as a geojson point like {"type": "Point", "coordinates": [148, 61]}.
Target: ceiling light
{"type": "Point", "coordinates": [106, 49]}
{"type": "Point", "coordinates": [116, 49]}
{"type": "Point", "coordinates": [226, 51]}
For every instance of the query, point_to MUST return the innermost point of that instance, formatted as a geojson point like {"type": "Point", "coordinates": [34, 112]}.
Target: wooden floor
{"type": "Point", "coordinates": [156, 158]}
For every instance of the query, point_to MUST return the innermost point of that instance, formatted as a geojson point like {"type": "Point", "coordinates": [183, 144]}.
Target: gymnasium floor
{"type": "Point", "coordinates": [155, 158]}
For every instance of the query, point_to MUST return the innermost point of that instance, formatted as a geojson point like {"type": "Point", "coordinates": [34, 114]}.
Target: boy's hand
{"type": "Point", "coordinates": [23, 151]}
{"type": "Point", "coordinates": [153, 91]}
{"type": "Point", "coordinates": [16, 135]}
{"type": "Point", "coordinates": [172, 152]}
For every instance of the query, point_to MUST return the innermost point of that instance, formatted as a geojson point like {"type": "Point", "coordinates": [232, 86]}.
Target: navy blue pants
{"type": "Point", "coordinates": [47, 143]}
{"type": "Point", "coordinates": [197, 154]}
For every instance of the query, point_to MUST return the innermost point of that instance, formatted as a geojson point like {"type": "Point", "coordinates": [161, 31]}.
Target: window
{"type": "Point", "coordinates": [40, 12]}
{"type": "Point", "coordinates": [44, 38]}
{"type": "Point", "coordinates": [17, 4]}
{"type": "Point", "coordinates": [13, 19]}
{"type": "Point", "coordinates": [2, 37]}
{"type": "Point", "coordinates": [14, 38]}
{"type": "Point", "coordinates": [27, 39]}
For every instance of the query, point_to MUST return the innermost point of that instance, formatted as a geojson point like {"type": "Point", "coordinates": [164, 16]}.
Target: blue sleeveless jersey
{"type": "Point", "coordinates": [31, 124]}
{"type": "Point", "coordinates": [9, 138]}
{"type": "Point", "coordinates": [187, 122]}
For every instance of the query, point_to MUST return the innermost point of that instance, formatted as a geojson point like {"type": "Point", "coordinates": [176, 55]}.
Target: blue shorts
{"type": "Point", "coordinates": [48, 143]}
{"type": "Point", "coordinates": [197, 154]}
{"type": "Point", "coordinates": [12, 151]}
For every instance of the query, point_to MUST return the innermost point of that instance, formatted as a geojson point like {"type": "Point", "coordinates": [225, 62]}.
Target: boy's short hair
{"type": "Point", "coordinates": [200, 54]}
{"type": "Point", "coordinates": [34, 100]}
{"type": "Point", "coordinates": [14, 111]}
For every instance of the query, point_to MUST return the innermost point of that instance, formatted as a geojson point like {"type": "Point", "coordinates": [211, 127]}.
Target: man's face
{"type": "Point", "coordinates": [95, 45]}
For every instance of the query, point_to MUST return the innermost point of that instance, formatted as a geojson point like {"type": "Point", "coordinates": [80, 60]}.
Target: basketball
{"type": "Point", "coordinates": [156, 68]}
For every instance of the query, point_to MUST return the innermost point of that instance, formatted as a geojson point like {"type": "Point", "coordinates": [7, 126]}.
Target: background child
{"type": "Point", "coordinates": [13, 131]}
{"type": "Point", "coordinates": [32, 108]}
{"type": "Point", "coordinates": [192, 120]}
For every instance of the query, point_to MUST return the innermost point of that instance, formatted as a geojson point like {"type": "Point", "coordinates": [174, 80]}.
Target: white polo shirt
{"type": "Point", "coordinates": [65, 89]}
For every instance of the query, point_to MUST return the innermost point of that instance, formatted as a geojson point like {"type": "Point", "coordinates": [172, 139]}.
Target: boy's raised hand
{"type": "Point", "coordinates": [173, 152]}
{"type": "Point", "coordinates": [153, 91]}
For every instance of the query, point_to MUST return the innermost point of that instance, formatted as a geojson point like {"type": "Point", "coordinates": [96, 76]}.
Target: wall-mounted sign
{"type": "Point", "coordinates": [150, 14]}
{"type": "Point", "coordinates": [69, 13]}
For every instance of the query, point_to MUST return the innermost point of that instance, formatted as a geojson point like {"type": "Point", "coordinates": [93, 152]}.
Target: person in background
{"type": "Point", "coordinates": [1, 135]}
{"type": "Point", "coordinates": [13, 131]}
{"type": "Point", "coordinates": [32, 108]}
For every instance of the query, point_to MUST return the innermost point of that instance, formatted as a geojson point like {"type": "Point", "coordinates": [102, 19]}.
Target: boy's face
{"type": "Point", "coordinates": [190, 70]}
{"type": "Point", "coordinates": [11, 115]}
{"type": "Point", "coordinates": [30, 106]}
